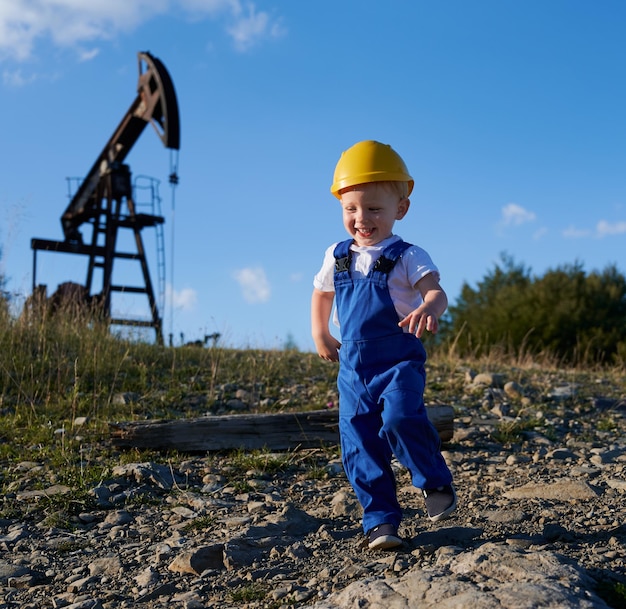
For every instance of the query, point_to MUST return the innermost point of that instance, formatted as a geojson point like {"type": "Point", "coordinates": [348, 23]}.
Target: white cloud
{"type": "Point", "coordinates": [252, 27]}
{"type": "Point", "coordinates": [68, 23]}
{"type": "Point", "coordinates": [182, 300]}
{"type": "Point", "coordinates": [571, 232]}
{"type": "Point", "coordinates": [254, 284]}
{"type": "Point", "coordinates": [81, 24]}
{"type": "Point", "coordinates": [605, 228]}
{"type": "Point", "coordinates": [88, 54]}
{"type": "Point", "coordinates": [16, 78]}
{"type": "Point", "coordinates": [210, 7]}
{"type": "Point", "coordinates": [513, 214]}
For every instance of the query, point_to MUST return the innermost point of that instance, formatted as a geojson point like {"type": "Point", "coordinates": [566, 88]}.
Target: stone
{"type": "Point", "coordinates": [199, 560]}
{"type": "Point", "coordinates": [539, 521]}
{"type": "Point", "coordinates": [563, 490]}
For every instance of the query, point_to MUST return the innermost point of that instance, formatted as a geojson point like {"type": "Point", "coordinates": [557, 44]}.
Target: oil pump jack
{"type": "Point", "coordinates": [104, 199]}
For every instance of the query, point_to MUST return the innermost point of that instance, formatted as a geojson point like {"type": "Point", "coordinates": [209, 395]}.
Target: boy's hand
{"type": "Point", "coordinates": [419, 320]}
{"type": "Point", "coordinates": [326, 344]}
{"type": "Point", "coordinates": [426, 316]}
{"type": "Point", "coordinates": [328, 347]}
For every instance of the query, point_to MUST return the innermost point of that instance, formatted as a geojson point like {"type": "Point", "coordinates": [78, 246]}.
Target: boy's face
{"type": "Point", "coordinates": [370, 210]}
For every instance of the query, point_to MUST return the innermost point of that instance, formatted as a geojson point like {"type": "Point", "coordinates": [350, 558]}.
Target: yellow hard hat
{"type": "Point", "coordinates": [369, 161]}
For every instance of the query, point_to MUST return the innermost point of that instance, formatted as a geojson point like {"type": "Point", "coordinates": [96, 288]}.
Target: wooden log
{"type": "Point", "coordinates": [277, 431]}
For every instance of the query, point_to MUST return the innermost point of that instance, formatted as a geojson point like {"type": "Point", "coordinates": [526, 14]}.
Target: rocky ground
{"type": "Point", "coordinates": [540, 469]}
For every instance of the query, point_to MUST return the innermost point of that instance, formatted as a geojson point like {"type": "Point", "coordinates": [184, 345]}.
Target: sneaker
{"type": "Point", "coordinates": [440, 502]}
{"type": "Point", "coordinates": [383, 537]}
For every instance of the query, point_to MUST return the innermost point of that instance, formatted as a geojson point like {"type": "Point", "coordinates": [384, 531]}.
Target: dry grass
{"type": "Point", "coordinates": [64, 379]}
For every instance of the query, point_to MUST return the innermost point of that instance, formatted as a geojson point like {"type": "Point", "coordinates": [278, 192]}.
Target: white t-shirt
{"type": "Point", "coordinates": [413, 265]}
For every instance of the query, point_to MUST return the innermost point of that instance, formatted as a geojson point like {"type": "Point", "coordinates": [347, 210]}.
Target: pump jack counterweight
{"type": "Point", "coordinates": [104, 198]}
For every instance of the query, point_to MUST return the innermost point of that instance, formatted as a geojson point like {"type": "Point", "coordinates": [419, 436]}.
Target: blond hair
{"type": "Point", "coordinates": [398, 188]}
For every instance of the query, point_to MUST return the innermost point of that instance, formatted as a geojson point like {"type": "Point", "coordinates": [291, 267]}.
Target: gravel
{"type": "Point", "coordinates": [539, 463]}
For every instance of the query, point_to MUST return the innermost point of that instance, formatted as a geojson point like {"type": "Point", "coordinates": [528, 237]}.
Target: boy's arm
{"type": "Point", "coordinates": [321, 307]}
{"type": "Point", "coordinates": [426, 316]}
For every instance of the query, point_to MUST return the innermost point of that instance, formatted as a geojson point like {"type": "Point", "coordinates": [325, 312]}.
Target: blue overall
{"type": "Point", "coordinates": [381, 386]}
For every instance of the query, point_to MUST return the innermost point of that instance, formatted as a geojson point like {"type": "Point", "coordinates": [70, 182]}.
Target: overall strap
{"type": "Point", "coordinates": [390, 256]}
{"type": "Point", "coordinates": [343, 256]}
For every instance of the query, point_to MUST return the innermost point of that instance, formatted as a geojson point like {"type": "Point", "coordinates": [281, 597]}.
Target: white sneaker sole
{"type": "Point", "coordinates": [446, 513]}
{"type": "Point", "coordinates": [385, 542]}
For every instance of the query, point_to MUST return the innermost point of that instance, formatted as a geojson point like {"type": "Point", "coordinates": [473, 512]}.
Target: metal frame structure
{"type": "Point", "coordinates": [104, 199]}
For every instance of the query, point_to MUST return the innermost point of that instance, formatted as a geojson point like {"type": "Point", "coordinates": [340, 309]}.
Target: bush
{"type": "Point", "coordinates": [567, 313]}
{"type": "Point", "coordinates": [5, 300]}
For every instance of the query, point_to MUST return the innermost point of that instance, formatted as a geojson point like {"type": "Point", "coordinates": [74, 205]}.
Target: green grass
{"type": "Point", "coordinates": [200, 524]}
{"type": "Point", "coordinates": [64, 380]}
{"type": "Point", "coordinates": [510, 432]}
{"type": "Point", "coordinates": [612, 593]}
{"type": "Point", "coordinates": [259, 462]}
{"type": "Point", "coordinates": [249, 593]}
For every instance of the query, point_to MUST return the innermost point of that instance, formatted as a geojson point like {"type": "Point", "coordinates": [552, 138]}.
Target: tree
{"type": "Point", "coordinates": [572, 315]}
{"type": "Point", "coordinates": [491, 313]}
{"type": "Point", "coordinates": [4, 298]}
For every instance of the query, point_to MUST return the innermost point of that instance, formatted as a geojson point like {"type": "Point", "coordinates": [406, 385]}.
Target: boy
{"type": "Point", "coordinates": [387, 294]}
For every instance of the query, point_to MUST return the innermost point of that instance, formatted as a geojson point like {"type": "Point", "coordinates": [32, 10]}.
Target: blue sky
{"type": "Point", "coordinates": [511, 116]}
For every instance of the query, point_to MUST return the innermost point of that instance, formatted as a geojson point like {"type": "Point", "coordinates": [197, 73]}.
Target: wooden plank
{"type": "Point", "coordinates": [276, 431]}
